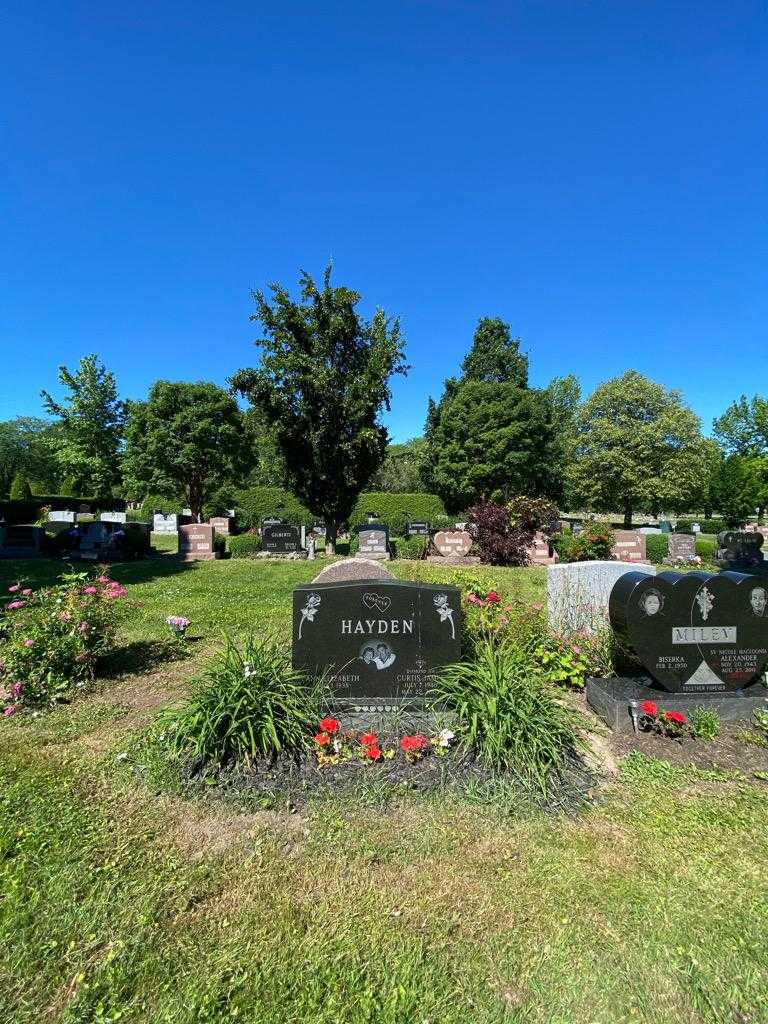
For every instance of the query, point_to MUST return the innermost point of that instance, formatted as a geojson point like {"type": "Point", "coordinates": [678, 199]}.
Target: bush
{"type": "Point", "coordinates": [706, 549]}
{"type": "Point", "coordinates": [508, 716]}
{"type": "Point", "coordinates": [593, 544]}
{"type": "Point", "coordinates": [153, 502]}
{"type": "Point", "coordinates": [409, 547]}
{"type": "Point", "coordinates": [250, 705]}
{"type": "Point", "coordinates": [244, 545]}
{"type": "Point", "coordinates": [256, 503]}
{"type": "Point", "coordinates": [532, 514]}
{"type": "Point", "coordinates": [499, 542]}
{"type": "Point", "coordinates": [715, 525]}
{"type": "Point", "coordinates": [50, 639]}
{"type": "Point", "coordinates": [656, 547]}
{"type": "Point", "coordinates": [20, 489]}
{"type": "Point", "coordinates": [396, 508]}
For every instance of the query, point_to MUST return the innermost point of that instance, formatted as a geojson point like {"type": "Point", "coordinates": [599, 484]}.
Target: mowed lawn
{"type": "Point", "coordinates": [120, 902]}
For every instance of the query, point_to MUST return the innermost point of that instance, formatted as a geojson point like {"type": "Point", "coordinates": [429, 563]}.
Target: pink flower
{"type": "Point", "coordinates": [104, 579]}
{"type": "Point", "coordinates": [65, 616]}
{"type": "Point", "coordinates": [537, 607]}
{"type": "Point", "coordinates": [16, 604]}
{"type": "Point", "coordinates": [29, 643]}
{"type": "Point", "coordinates": [83, 627]}
{"type": "Point", "coordinates": [492, 597]}
{"type": "Point", "coordinates": [16, 690]}
{"type": "Point", "coordinates": [10, 710]}
{"type": "Point", "coordinates": [577, 650]}
{"type": "Point", "coordinates": [26, 592]}
{"type": "Point", "coordinates": [116, 591]}
{"type": "Point", "coordinates": [16, 587]}
{"type": "Point", "coordinates": [90, 590]}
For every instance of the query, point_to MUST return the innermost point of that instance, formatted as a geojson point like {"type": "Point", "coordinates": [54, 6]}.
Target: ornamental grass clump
{"type": "Point", "coordinates": [51, 639]}
{"type": "Point", "coordinates": [509, 716]}
{"type": "Point", "coordinates": [250, 705]}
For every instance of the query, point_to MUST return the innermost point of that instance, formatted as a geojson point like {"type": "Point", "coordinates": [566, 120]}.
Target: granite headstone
{"type": "Point", "coordinates": [629, 546]}
{"type": "Point", "coordinates": [374, 541]}
{"type": "Point", "coordinates": [196, 542]}
{"type": "Point", "coordinates": [280, 538]}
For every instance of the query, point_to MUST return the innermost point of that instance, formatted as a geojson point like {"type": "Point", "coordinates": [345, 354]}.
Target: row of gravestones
{"type": "Point", "coordinates": [100, 540]}
{"type": "Point", "coordinates": [382, 643]}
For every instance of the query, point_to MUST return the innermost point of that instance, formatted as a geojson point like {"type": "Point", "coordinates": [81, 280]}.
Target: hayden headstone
{"type": "Point", "coordinates": [382, 641]}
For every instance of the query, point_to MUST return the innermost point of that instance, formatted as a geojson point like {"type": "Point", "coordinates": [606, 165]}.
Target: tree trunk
{"type": "Point", "coordinates": [627, 515]}
{"type": "Point", "coordinates": [331, 532]}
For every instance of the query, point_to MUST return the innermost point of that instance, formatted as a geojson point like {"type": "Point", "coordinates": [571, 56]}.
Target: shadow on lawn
{"type": "Point", "coordinates": [44, 571]}
{"type": "Point", "coordinates": [142, 656]}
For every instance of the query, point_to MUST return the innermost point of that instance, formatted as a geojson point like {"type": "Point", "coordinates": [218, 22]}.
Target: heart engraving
{"type": "Point", "coordinates": [376, 601]}
{"type": "Point", "coordinates": [694, 632]}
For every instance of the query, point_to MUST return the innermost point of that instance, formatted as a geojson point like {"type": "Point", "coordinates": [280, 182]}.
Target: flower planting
{"type": "Point", "coordinates": [178, 625]}
{"type": "Point", "coordinates": [51, 638]}
{"type": "Point", "coordinates": [672, 724]}
{"type": "Point", "coordinates": [333, 747]}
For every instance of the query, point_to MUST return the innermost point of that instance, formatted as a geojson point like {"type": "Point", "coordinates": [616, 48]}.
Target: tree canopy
{"type": "Point", "coordinates": [323, 380]}
{"type": "Point", "coordinates": [89, 431]}
{"type": "Point", "coordinates": [26, 445]}
{"type": "Point", "coordinates": [184, 441]}
{"type": "Point", "coordinates": [639, 448]}
{"type": "Point", "coordinates": [490, 435]}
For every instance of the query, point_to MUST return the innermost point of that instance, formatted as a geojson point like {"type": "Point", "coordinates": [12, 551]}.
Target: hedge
{"type": "Point", "coordinates": [245, 545]}
{"type": "Point", "coordinates": [256, 503]}
{"type": "Point", "coordinates": [656, 547]}
{"type": "Point", "coordinates": [395, 509]}
{"type": "Point", "coordinates": [707, 525]}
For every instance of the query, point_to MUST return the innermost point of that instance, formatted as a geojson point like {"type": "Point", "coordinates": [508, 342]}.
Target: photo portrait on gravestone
{"type": "Point", "coordinates": [758, 600]}
{"type": "Point", "coordinates": [651, 602]}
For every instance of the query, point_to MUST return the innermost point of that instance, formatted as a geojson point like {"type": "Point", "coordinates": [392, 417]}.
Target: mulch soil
{"type": "Point", "coordinates": [727, 752]}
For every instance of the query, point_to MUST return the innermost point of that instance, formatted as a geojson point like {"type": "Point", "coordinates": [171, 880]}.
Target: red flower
{"type": "Point", "coordinates": [373, 752]}
{"type": "Point", "coordinates": [368, 739]}
{"type": "Point", "coordinates": [675, 716]}
{"type": "Point", "coordinates": [329, 725]}
{"type": "Point", "coordinates": [322, 739]}
{"type": "Point", "coordinates": [649, 708]}
{"type": "Point", "coordinates": [410, 743]}
{"type": "Point", "coordinates": [492, 597]}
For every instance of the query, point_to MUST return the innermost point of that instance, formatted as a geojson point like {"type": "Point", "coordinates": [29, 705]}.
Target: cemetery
{"type": "Point", "coordinates": [384, 515]}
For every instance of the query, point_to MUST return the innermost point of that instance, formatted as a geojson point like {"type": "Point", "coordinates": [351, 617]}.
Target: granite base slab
{"type": "Point", "coordinates": [610, 699]}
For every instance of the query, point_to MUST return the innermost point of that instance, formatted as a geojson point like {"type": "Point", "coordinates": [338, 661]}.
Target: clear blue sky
{"type": "Point", "coordinates": [592, 172]}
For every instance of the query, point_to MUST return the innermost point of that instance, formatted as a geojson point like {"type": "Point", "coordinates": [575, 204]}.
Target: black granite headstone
{"type": "Point", "coordinates": [698, 632]}
{"type": "Point", "coordinates": [741, 551]}
{"type": "Point", "coordinates": [280, 538]}
{"type": "Point", "coordinates": [382, 641]}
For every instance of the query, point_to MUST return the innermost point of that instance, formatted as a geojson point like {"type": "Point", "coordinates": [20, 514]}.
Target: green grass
{"type": "Point", "coordinates": [119, 903]}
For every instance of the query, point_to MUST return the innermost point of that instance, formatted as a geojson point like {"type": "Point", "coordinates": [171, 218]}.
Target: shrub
{"type": "Point", "coordinates": [396, 508]}
{"type": "Point", "coordinates": [20, 489]}
{"type": "Point", "coordinates": [509, 716]}
{"type": "Point", "coordinates": [156, 502]}
{"type": "Point", "coordinates": [706, 548]}
{"type": "Point", "coordinates": [249, 705]}
{"type": "Point", "coordinates": [354, 545]}
{"type": "Point", "coordinates": [256, 503]}
{"type": "Point", "coordinates": [656, 547]}
{"type": "Point", "coordinates": [499, 542]}
{"type": "Point", "coordinates": [705, 723]}
{"type": "Point", "coordinates": [245, 545]}
{"type": "Point", "coordinates": [569, 660]}
{"type": "Point", "coordinates": [50, 639]}
{"type": "Point", "coordinates": [409, 547]}
{"type": "Point", "coordinates": [594, 543]}
{"type": "Point", "coordinates": [532, 514]}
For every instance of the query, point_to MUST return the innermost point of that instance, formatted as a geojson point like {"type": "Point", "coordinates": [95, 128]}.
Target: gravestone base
{"type": "Point", "coordinates": [454, 559]}
{"type": "Point", "coordinates": [609, 699]}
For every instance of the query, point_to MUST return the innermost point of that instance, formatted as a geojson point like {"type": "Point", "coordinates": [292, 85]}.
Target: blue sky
{"type": "Point", "coordinates": [592, 172]}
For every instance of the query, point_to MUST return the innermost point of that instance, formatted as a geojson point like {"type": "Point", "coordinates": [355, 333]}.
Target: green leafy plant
{"type": "Point", "coordinates": [245, 545]}
{"type": "Point", "coordinates": [508, 715]}
{"type": "Point", "coordinates": [249, 705]}
{"type": "Point", "coordinates": [594, 543]}
{"type": "Point", "coordinates": [704, 723]}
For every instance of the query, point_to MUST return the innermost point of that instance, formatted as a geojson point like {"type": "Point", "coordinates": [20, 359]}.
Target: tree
{"type": "Point", "coordinates": [323, 380]}
{"type": "Point", "coordinates": [20, 489]}
{"type": "Point", "coordinates": [743, 430]}
{"type": "Point", "coordinates": [490, 435]}
{"type": "Point", "coordinates": [737, 489]}
{"type": "Point", "coordinates": [639, 448]}
{"type": "Point", "coordinates": [401, 470]}
{"type": "Point", "coordinates": [185, 440]}
{"type": "Point", "coordinates": [89, 431]}
{"type": "Point", "coordinates": [26, 445]}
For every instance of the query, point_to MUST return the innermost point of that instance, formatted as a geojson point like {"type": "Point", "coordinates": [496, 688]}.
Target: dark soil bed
{"type": "Point", "coordinates": [728, 751]}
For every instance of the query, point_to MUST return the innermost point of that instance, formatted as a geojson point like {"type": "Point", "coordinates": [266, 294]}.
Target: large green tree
{"type": "Point", "coordinates": [402, 468]}
{"type": "Point", "coordinates": [737, 488]}
{"type": "Point", "coordinates": [490, 435]}
{"type": "Point", "coordinates": [185, 441]}
{"type": "Point", "coordinates": [26, 445]}
{"type": "Point", "coordinates": [639, 449]}
{"type": "Point", "coordinates": [324, 379]}
{"type": "Point", "coordinates": [743, 431]}
{"type": "Point", "coordinates": [89, 428]}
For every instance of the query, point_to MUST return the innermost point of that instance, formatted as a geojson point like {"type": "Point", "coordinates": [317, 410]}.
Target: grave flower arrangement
{"type": "Point", "coordinates": [666, 723]}
{"type": "Point", "coordinates": [51, 638]}
{"type": "Point", "coordinates": [178, 625]}
{"type": "Point", "coordinates": [334, 747]}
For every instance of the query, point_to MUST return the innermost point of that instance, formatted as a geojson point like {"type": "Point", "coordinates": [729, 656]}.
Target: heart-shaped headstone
{"type": "Point", "coordinates": [695, 632]}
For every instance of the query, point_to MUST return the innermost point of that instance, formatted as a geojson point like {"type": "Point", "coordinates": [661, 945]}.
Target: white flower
{"type": "Point", "coordinates": [444, 737]}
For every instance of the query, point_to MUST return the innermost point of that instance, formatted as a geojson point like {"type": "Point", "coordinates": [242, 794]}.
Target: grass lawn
{"type": "Point", "coordinates": [122, 903]}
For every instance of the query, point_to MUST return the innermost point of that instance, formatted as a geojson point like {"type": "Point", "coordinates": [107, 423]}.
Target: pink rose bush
{"type": "Point", "coordinates": [50, 642]}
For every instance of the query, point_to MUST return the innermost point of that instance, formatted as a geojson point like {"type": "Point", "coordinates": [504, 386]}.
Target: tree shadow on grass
{"type": "Point", "coordinates": [140, 657]}
{"type": "Point", "coordinates": [45, 571]}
